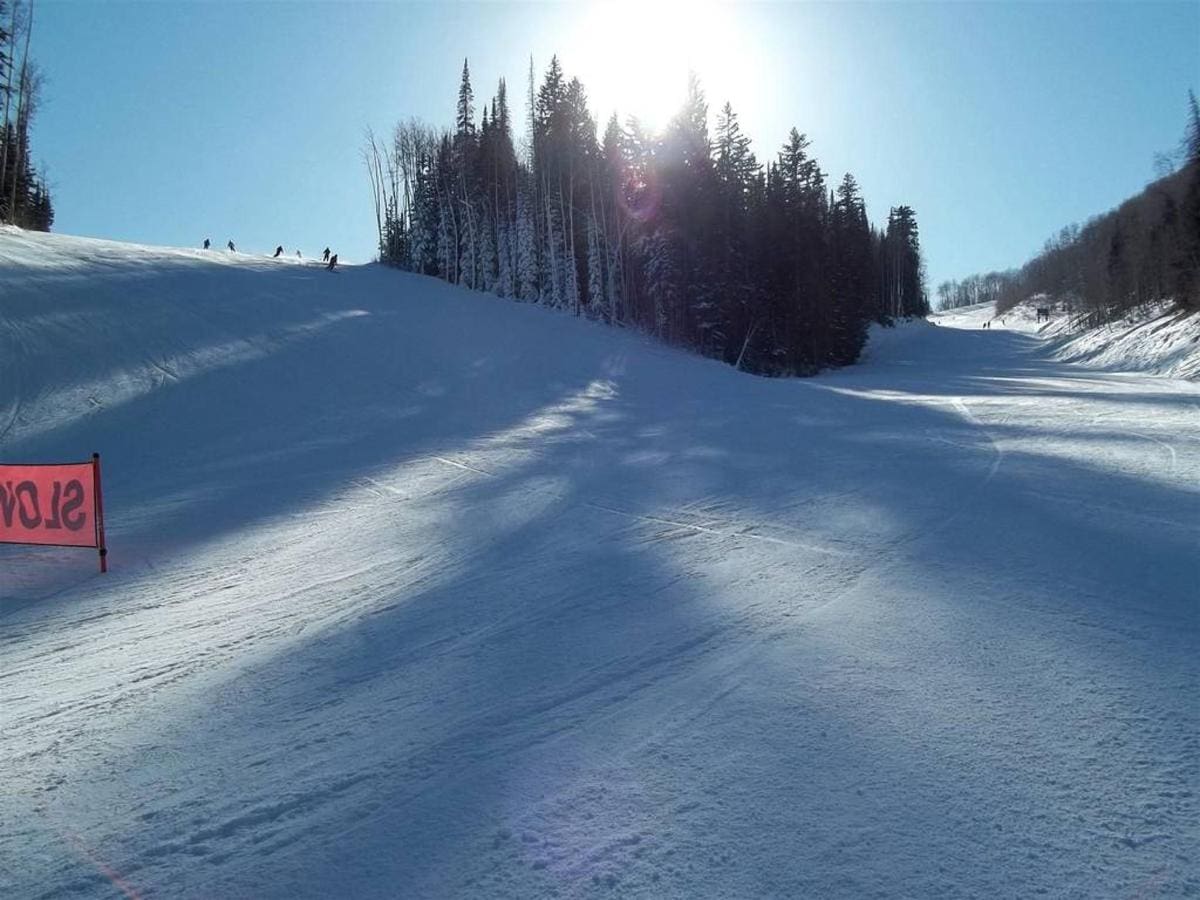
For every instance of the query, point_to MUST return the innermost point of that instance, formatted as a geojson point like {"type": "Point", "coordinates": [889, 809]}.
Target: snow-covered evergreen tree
{"type": "Point", "coordinates": [506, 270]}
{"type": "Point", "coordinates": [662, 279]}
{"type": "Point", "coordinates": [612, 288]}
{"type": "Point", "coordinates": [570, 273]}
{"type": "Point", "coordinates": [423, 222]}
{"type": "Point", "coordinates": [487, 253]}
{"type": "Point", "coordinates": [447, 248]}
{"type": "Point", "coordinates": [553, 261]}
{"type": "Point", "coordinates": [598, 301]}
{"type": "Point", "coordinates": [526, 249]}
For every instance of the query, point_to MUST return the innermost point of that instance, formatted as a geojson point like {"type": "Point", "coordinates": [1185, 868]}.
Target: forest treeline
{"type": "Point", "coordinates": [1146, 250]}
{"type": "Point", "coordinates": [684, 234]}
{"type": "Point", "coordinates": [24, 196]}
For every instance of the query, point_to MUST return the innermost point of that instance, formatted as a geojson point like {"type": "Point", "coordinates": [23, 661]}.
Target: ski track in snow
{"type": "Point", "coordinates": [420, 593]}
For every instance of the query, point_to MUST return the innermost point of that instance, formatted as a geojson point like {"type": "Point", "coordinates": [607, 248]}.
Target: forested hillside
{"type": "Point", "coordinates": [24, 196]}
{"type": "Point", "coordinates": [685, 234]}
{"type": "Point", "coordinates": [1144, 251]}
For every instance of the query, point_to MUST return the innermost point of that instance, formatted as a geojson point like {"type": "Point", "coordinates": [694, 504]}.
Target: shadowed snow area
{"type": "Point", "coordinates": [416, 592]}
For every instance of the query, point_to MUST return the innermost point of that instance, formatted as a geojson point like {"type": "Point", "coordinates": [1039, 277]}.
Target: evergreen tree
{"type": "Point", "coordinates": [553, 289]}
{"type": "Point", "coordinates": [734, 275]}
{"type": "Point", "coordinates": [662, 278]}
{"type": "Point", "coordinates": [598, 305]}
{"type": "Point", "coordinates": [904, 271]}
{"type": "Point", "coordinates": [677, 233]}
{"type": "Point", "coordinates": [506, 284]}
{"type": "Point", "coordinates": [487, 252]}
{"type": "Point", "coordinates": [851, 276]}
{"type": "Point", "coordinates": [447, 243]}
{"type": "Point", "coordinates": [424, 222]}
{"type": "Point", "coordinates": [465, 120]}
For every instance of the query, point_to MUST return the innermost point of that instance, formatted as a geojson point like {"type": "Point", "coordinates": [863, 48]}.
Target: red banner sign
{"type": "Point", "coordinates": [56, 505]}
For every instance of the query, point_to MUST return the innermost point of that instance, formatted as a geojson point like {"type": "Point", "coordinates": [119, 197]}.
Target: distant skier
{"type": "Point", "coordinates": [206, 243]}
{"type": "Point", "coordinates": [325, 258]}
{"type": "Point", "coordinates": [232, 249]}
{"type": "Point", "coordinates": [278, 252]}
{"type": "Point", "coordinates": [332, 263]}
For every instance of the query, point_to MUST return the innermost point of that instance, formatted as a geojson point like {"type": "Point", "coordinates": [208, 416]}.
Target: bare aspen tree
{"type": "Point", "coordinates": [25, 102]}
{"type": "Point", "coordinates": [8, 90]}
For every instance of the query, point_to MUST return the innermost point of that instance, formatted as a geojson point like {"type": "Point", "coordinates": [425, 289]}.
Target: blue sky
{"type": "Point", "coordinates": [169, 122]}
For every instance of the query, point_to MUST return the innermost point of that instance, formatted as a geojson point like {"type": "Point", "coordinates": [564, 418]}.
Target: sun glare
{"type": "Point", "coordinates": [634, 57]}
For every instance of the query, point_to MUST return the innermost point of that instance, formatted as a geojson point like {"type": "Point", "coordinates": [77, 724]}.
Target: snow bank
{"type": "Point", "coordinates": [1154, 339]}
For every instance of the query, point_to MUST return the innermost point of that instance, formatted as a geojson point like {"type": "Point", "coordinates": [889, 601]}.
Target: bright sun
{"type": "Point", "coordinates": [634, 57]}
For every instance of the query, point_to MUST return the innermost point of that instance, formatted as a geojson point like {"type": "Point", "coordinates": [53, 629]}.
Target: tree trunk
{"type": "Point", "coordinates": [22, 126]}
{"type": "Point", "coordinates": [12, 65]}
{"type": "Point", "coordinates": [745, 344]}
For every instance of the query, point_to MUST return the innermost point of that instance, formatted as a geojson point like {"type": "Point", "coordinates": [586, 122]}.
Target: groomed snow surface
{"type": "Point", "coordinates": [420, 593]}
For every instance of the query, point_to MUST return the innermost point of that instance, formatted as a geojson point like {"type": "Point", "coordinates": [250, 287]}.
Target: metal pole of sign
{"type": "Point", "coordinates": [99, 514]}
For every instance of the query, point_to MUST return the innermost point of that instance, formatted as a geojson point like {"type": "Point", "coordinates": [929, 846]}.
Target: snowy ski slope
{"type": "Point", "coordinates": [1155, 338]}
{"type": "Point", "coordinates": [420, 593]}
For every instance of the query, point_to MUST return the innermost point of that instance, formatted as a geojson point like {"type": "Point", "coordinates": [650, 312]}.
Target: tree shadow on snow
{"type": "Point", "coordinates": [657, 646]}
